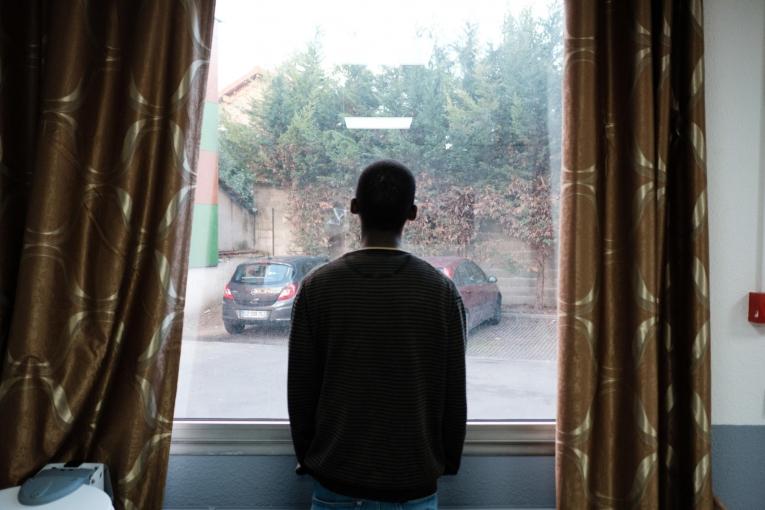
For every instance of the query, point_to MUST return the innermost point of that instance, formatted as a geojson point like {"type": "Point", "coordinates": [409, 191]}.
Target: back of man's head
{"type": "Point", "coordinates": [385, 195]}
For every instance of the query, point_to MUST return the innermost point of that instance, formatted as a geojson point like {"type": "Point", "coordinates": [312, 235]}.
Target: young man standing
{"type": "Point", "coordinates": [376, 383]}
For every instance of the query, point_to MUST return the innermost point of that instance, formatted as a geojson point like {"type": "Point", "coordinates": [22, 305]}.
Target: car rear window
{"type": "Point", "coordinates": [263, 273]}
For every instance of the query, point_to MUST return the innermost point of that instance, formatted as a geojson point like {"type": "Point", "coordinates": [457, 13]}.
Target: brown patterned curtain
{"type": "Point", "coordinates": [634, 401]}
{"type": "Point", "coordinates": [100, 111]}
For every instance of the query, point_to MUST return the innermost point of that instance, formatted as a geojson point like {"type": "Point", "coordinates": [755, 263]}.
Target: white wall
{"type": "Point", "coordinates": [735, 105]}
{"type": "Point", "coordinates": [204, 290]}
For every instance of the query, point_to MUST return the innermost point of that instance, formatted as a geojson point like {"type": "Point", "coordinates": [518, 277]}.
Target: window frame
{"type": "Point", "coordinates": [272, 437]}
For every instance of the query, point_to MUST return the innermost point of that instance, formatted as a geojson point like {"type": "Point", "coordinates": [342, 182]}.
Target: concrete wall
{"type": "Point", "coordinates": [511, 261]}
{"type": "Point", "coordinates": [272, 212]}
{"type": "Point", "coordinates": [236, 225]}
{"type": "Point", "coordinates": [204, 289]}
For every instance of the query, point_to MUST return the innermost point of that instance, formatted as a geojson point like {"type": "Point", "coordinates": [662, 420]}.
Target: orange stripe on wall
{"type": "Point", "coordinates": [207, 178]}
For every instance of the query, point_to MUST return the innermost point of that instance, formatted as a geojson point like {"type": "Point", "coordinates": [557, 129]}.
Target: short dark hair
{"type": "Point", "coordinates": [385, 195]}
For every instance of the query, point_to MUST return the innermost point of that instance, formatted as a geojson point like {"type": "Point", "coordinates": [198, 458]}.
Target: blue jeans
{"type": "Point", "coordinates": [325, 499]}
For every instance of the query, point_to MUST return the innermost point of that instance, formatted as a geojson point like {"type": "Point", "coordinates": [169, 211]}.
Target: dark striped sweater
{"type": "Point", "coordinates": [376, 380]}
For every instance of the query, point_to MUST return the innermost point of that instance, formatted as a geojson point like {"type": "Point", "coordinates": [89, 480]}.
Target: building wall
{"type": "Point", "coordinates": [516, 282]}
{"type": "Point", "coordinates": [203, 251]}
{"type": "Point", "coordinates": [237, 226]}
{"type": "Point", "coordinates": [735, 84]}
{"type": "Point", "coordinates": [273, 230]}
{"type": "Point", "coordinates": [236, 99]}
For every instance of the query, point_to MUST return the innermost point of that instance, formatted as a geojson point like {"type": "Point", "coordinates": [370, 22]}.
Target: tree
{"type": "Point", "coordinates": [446, 223]}
{"type": "Point", "coordinates": [236, 155]}
{"type": "Point", "coordinates": [480, 139]}
{"type": "Point", "coordinates": [529, 219]}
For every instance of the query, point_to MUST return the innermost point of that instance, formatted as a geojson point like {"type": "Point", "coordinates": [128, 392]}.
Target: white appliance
{"type": "Point", "coordinates": [70, 486]}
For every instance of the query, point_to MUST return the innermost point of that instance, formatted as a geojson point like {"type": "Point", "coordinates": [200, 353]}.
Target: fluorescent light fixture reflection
{"type": "Point", "coordinates": [378, 122]}
{"type": "Point", "coordinates": [366, 51]}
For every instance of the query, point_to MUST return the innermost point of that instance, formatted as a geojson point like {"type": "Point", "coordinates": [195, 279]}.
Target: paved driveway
{"type": "Point", "coordinates": [511, 370]}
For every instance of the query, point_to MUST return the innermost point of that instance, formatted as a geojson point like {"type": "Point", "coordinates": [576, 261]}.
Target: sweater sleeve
{"type": "Point", "coordinates": [455, 412]}
{"type": "Point", "coordinates": [304, 375]}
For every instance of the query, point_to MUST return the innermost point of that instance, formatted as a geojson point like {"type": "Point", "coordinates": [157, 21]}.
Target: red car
{"type": "Point", "coordinates": [480, 294]}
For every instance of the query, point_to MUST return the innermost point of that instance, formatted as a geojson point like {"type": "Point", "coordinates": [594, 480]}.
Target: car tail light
{"type": "Point", "coordinates": [227, 293]}
{"type": "Point", "coordinates": [448, 272]}
{"type": "Point", "coordinates": [287, 292]}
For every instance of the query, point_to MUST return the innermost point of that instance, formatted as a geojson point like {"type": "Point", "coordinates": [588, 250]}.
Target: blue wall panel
{"type": "Point", "coordinates": [269, 481]}
{"type": "Point", "coordinates": [738, 465]}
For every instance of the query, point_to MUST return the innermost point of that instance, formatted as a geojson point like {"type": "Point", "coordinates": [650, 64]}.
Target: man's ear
{"type": "Point", "coordinates": [412, 213]}
{"type": "Point", "coordinates": [354, 206]}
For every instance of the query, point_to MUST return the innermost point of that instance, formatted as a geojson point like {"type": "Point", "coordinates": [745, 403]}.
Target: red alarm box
{"type": "Point", "coordinates": [757, 307]}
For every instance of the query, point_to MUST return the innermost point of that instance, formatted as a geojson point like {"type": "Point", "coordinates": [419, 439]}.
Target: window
{"type": "Point", "coordinates": [461, 276]}
{"type": "Point", "coordinates": [263, 273]}
{"type": "Point", "coordinates": [466, 94]}
{"type": "Point", "coordinates": [475, 275]}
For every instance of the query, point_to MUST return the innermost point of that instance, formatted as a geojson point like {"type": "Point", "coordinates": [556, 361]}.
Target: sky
{"type": "Point", "coordinates": [264, 33]}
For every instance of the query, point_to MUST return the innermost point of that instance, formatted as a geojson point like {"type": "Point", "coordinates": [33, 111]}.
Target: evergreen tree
{"type": "Point", "coordinates": [482, 136]}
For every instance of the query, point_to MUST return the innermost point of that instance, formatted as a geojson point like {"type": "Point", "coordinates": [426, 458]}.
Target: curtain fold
{"type": "Point", "coordinates": [634, 379]}
{"type": "Point", "coordinates": [100, 113]}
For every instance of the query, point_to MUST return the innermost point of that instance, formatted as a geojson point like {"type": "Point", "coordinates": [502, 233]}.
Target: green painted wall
{"type": "Point", "coordinates": [204, 230]}
{"type": "Point", "coordinates": [204, 236]}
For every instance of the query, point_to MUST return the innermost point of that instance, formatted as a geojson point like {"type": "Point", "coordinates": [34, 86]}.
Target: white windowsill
{"type": "Point", "coordinates": [193, 437]}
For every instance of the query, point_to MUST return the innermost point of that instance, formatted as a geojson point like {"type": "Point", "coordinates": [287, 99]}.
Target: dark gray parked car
{"type": "Point", "coordinates": [262, 291]}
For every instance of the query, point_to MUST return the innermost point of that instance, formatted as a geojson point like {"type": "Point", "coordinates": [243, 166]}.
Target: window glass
{"type": "Point", "coordinates": [462, 275]}
{"type": "Point", "coordinates": [475, 274]}
{"type": "Point", "coordinates": [304, 94]}
{"type": "Point", "coordinates": [263, 274]}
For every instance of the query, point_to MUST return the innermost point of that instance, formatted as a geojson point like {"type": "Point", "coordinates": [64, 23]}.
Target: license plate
{"type": "Point", "coordinates": [252, 314]}
{"type": "Point", "coordinates": [264, 290]}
